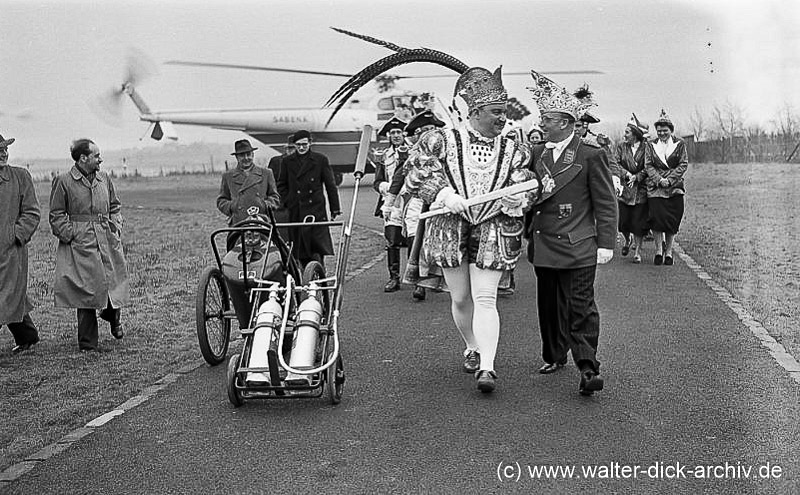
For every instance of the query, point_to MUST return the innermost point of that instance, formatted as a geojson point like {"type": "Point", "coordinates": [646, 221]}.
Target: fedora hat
{"type": "Point", "coordinates": [5, 142]}
{"type": "Point", "coordinates": [242, 146]}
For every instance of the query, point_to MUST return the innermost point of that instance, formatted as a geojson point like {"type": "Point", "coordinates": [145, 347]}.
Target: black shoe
{"type": "Point", "coordinates": [472, 361]}
{"type": "Point", "coordinates": [590, 382]}
{"type": "Point", "coordinates": [668, 260]}
{"type": "Point", "coordinates": [24, 347]}
{"type": "Point", "coordinates": [393, 285]}
{"type": "Point", "coordinates": [117, 330]}
{"type": "Point", "coordinates": [486, 380]}
{"type": "Point", "coordinates": [658, 260]}
{"type": "Point", "coordinates": [548, 368]}
{"type": "Point", "coordinates": [419, 293]}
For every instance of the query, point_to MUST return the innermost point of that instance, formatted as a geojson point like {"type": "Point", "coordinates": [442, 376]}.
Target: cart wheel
{"type": "Point", "coordinates": [315, 271]}
{"type": "Point", "coordinates": [213, 328]}
{"type": "Point", "coordinates": [335, 379]}
{"type": "Point", "coordinates": [233, 393]}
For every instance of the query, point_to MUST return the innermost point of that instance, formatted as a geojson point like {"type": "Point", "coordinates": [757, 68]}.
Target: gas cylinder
{"type": "Point", "coordinates": [268, 317]}
{"type": "Point", "coordinates": [306, 335]}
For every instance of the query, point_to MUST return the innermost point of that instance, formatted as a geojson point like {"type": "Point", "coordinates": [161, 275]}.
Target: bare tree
{"type": "Point", "coordinates": [729, 119]}
{"type": "Point", "coordinates": [786, 122]}
{"type": "Point", "coordinates": [697, 124]}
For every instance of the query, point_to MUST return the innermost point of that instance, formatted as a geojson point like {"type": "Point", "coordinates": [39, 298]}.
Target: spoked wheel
{"type": "Point", "coordinates": [211, 305]}
{"type": "Point", "coordinates": [335, 379]}
{"type": "Point", "coordinates": [233, 393]}
{"type": "Point", "coordinates": [315, 271]}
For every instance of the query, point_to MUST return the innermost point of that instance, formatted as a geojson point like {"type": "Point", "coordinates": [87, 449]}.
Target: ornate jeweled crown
{"type": "Point", "coordinates": [479, 87]}
{"type": "Point", "coordinates": [550, 97]}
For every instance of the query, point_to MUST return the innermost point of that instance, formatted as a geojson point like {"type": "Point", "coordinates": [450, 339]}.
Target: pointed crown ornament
{"type": "Point", "coordinates": [479, 87]}
{"type": "Point", "coordinates": [664, 119]}
{"type": "Point", "coordinates": [638, 127]}
{"type": "Point", "coordinates": [550, 97]}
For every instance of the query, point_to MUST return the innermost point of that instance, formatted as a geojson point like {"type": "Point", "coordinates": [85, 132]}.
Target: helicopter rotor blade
{"type": "Point", "coordinates": [108, 106]}
{"type": "Point", "coordinates": [255, 67]}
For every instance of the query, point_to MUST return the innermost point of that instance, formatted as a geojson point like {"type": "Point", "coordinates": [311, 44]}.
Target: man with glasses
{"type": "Point", "coordinates": [305, 179]}
{"type": "Point", "coordinates": [572, 228]}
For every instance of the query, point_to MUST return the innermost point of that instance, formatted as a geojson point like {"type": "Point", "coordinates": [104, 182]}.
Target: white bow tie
{"type": "Point", "coordinates": [550, 145]}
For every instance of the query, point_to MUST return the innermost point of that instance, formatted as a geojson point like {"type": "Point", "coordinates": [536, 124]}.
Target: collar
{"type": "Point", "coordinates": [561, 144]}
{"type": "Point", "coordinates": [5, 172]}
{"type": "Point", "coordinates": [477, 136]}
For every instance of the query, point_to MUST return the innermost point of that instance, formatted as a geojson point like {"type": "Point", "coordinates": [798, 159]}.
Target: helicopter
{"type": "Point", "coordinates": [336, 132]}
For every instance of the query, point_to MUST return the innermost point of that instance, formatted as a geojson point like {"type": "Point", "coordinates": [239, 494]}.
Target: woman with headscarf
{"type": "Point", "coordinates": [632, 154]}
{"type": "Point", "coordinates": [665, 187]}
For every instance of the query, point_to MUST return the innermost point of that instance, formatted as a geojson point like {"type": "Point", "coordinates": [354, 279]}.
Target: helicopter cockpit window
{"type": "Point", "coordinates": [385, 104]}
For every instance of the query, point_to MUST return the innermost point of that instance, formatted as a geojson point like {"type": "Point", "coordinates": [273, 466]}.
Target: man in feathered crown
{"type": "Point", "coordinates": [473, 245]}
{"type": "Point", "coordinates": [572, 227]}
{"type": "Point", "coordinates": [387, 161]}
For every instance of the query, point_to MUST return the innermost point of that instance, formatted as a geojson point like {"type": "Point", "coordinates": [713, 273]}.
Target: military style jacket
{"type": "Point", "coordinates": [576, 211]}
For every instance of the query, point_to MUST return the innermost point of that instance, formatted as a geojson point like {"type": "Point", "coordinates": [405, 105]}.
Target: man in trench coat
{"type": "Point", "coordinates": [90, 262]}
{"type": "Point", "coordinates": [19, 218]}
{"type": "Point", "coordinates": [305, 174]}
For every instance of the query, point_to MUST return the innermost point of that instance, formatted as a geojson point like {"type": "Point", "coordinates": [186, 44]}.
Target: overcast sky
{"type": "Point", "coordinates": [679, 55]}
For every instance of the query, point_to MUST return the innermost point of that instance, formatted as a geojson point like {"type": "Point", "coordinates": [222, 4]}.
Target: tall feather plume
{"type": "Point", "coordinates": [583, 92]}
{"type": "Point", "coordinates": [401, 57]}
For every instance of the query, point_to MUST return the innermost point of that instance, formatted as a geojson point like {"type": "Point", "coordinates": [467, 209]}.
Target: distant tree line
{"type": "Point", "coordinates": [725, 136]}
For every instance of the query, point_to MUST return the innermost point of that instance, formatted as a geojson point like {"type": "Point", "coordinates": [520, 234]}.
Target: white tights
{"type": "Point", "coordinates": [473, 297]}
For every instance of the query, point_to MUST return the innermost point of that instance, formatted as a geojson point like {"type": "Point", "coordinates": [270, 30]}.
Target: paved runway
{"type": "Point", "coordinates": [689, 392]}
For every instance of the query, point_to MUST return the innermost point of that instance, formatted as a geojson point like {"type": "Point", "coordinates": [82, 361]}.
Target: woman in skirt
{"type": "Point", "coordinates": [631, 155]}
{"type": "Point", "coordinates": [665, 188]}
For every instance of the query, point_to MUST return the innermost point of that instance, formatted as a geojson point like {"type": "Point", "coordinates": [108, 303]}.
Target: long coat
{"type": "Point", "coordinates": [577, 210]}
{"type": "Point", "coordinates": [239, 191]}
{"type": "Point", "coordinates": [300, 185]}
{"type": "Point", "coordinates": [90, 262]}
{"type": "Point", "coordinates": [19, 218]}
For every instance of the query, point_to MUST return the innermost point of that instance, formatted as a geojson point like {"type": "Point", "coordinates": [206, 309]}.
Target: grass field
{"type": "Point", "coordinates": [740, 225]}
{"type": "Point", "coordinates": [55, 388]}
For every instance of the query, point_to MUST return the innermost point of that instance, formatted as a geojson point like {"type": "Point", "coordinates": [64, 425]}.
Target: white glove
{"type": "Point", "coordinates": [617, 185]}
{"type": "Point", "coordinates": [604, 255]}
{"type": "Point", "coordinates": [383, 188]}
{"type": "Point", "coordinates": [454, 201]}
{"type": "Point", "coordinates": [512, 205]}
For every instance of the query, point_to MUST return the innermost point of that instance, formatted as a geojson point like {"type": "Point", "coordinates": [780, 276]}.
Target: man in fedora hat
{"type": "Point", "coordinates": [85, 216]}
{"type": "Point", "coordinates": [245, 186]}
{"type": "Point", "coordinates": [306, 177]}
{"type": "Point", "coordinates": [19, 218]}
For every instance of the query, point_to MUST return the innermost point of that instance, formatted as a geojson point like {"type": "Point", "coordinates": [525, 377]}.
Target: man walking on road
{"type": "Point", "coordinates": [572, 227]}
{"type": "Point", "coordinates": [90, 263]}
{"type": "Point", "coordinates": [19, 218]}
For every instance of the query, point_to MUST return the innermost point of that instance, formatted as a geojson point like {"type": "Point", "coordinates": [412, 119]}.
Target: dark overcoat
{"type": "Point", "coordinates": [90, 262]}
{"type": "Point", "coordinates": [577, 209]}
{"type": "Point", "coordinates": [302, 185]}
{"type": "Point", "coordinates": [19, 218]}
{"type": "Point", "coordinates": [239, 191]}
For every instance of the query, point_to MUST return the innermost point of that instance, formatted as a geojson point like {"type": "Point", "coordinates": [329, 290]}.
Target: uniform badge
{"type": "Point", "coordinates": [569, 156]}
{"type": "Point", "coordinates": [548, 184]}
{"type": "Point", "coordinates": [564, 210]}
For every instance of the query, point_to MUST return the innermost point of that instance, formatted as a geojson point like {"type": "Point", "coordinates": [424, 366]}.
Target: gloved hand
{"type": "Point", "coordinates": [383, 188]}
{"type": "Point", "coordinates": [604, 255]}
{"type": "Point", "coordinates": [617, 185]}
{"type": "Point", "coordinates": [455, 202]}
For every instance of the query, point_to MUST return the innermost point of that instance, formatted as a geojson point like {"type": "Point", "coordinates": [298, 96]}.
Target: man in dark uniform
{"type": "Point", "coordinates": [305, 174]}
{"type": "Point", "coordinates": [572, 227]}
{"type": "Point", "coordinates": [597, 139]}
{"type": "Point", "coordinates": [387, 161]}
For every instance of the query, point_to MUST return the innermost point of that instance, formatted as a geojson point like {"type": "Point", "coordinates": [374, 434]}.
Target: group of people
{"type": "Point", "coordinates": [487, 188]}
{"type": "Point", "coordinates": [85, 217]}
